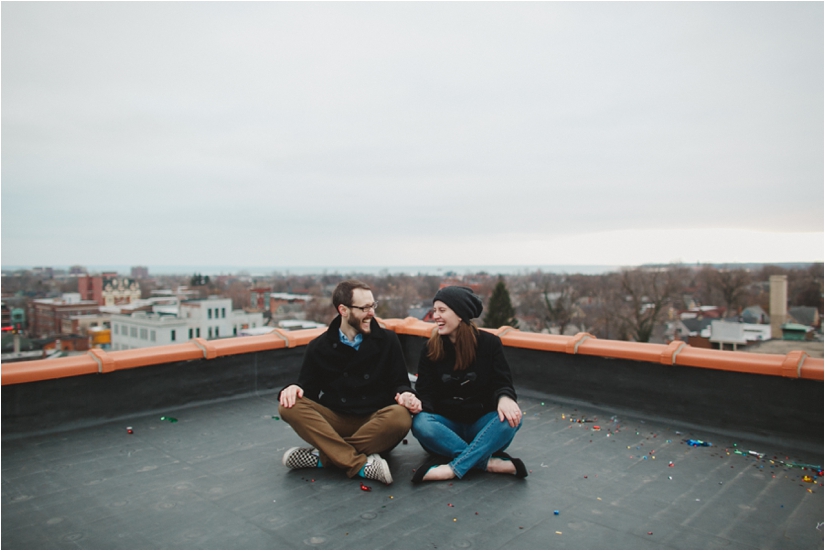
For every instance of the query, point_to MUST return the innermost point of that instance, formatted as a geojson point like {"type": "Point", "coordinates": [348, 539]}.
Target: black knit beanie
{"type": "Point", "coordinates": [461, 300]}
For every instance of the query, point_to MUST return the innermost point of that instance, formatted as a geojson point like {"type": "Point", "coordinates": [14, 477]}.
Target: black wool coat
{"type": "Point", "coordinates": [354, 382]}
{"type": "Point", "coordinates": [464, 396]}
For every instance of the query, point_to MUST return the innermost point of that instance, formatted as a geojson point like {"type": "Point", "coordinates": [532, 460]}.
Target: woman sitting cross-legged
{"type": "Point", "coordinates": [470, 414]}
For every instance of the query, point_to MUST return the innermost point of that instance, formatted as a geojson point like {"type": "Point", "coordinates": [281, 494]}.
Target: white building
{"type": "Point", "coordinates": [212, 318]}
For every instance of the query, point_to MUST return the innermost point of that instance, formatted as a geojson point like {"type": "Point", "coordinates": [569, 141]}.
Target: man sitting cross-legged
{"type": "Point", "coordinates": [353, 397]}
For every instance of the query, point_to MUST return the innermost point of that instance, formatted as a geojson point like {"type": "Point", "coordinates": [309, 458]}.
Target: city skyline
{"type": "Point", "coordinates": [423, 134]}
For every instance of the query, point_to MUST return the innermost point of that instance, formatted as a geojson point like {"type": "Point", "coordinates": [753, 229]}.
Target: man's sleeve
{"type": "Point", "coordinates": [308, 378]}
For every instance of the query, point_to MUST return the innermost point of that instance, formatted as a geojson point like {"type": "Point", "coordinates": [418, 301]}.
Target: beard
{"type": "Point", "coordinates": [356, 324]}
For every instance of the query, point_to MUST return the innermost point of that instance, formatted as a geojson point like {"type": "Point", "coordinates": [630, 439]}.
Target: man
{"type": "Point", "coordinates": [353, 397]}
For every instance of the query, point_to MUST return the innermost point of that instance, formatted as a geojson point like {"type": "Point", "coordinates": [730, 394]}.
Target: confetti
{"type": "Point", "coordinates": [556, 512]}
{"type": "Point", "coordinates": [276, 417]}
{"type": "Point", "coordinates": [129, 430]}
{"type": "Point", "coordinates": [170, 419]}
{"type": "Point", "coordinates": [557, 532]}
{"type": "Point", "coordinates": [365, 488]}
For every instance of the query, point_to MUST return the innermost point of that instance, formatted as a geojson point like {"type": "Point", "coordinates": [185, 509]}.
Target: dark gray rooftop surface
{"type": "Point", "coordinates": [214, 479]}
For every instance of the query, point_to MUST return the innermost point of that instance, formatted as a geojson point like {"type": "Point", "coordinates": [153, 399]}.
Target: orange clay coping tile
{"type": "Point", "coordinates": [796, 364]}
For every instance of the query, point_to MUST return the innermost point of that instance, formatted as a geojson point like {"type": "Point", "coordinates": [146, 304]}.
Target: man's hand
{"type": "Point", "coordinates": [290, 395]}
{"type": "Point", "coordinates": [409, 401]}
{"type": "Point", "coordinates": [508, 409]}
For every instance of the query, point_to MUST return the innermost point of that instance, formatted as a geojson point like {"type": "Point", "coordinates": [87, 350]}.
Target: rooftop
{"type": "Point", "coordinates": [202, 468]}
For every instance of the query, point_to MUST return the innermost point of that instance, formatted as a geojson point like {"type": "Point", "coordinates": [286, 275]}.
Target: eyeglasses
{"type": "Point", "coordinates": [365, 308]}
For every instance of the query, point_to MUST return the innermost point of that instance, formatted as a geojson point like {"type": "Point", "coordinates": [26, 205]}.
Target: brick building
{"type": "Point", "coordinates": [47, 314]}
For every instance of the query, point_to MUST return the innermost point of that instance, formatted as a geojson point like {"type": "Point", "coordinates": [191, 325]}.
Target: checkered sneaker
{"type": "Point", "coordinates": [300, 458]}
{"type": "Point", "coordinates": [377, 469]}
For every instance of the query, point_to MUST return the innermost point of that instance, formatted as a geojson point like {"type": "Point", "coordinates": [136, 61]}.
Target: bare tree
{"type": "Point", "coordinates": [732, 285]}
{"type": "Point", "coordinates": [560, 300]}
{"type": "Point", "coordinates": [320, 309]}
{"type": "Point", "coordinates": [647, 293]}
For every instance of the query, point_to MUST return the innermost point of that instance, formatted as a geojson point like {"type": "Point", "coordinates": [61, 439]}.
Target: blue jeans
{"type": "Point", "coordinates": [468, 445]}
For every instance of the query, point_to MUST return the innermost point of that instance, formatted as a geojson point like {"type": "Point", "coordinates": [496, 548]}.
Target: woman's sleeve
{"type": "Point", "coordinates": [425, 386]}
{"type": "Point", "coordinates": [502, 379]}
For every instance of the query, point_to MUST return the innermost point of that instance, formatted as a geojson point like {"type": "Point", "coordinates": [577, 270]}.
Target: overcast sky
{"type": "Point", "coordinates": [335, 134]}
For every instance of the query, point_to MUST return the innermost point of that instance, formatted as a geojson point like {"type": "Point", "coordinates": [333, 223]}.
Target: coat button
{"type": "Point", "coordinates": [346, 374]}
{"type": "Point", "coordinates": [335, 345]}
{"type": "Point", "coordinates": [366, 375]}
{"type": "Point", "coordinates": [343, 399]}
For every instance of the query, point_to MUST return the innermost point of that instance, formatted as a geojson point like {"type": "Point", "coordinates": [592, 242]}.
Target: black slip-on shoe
{"type": "Point", "coordinates": [424, 468]}
{"type": "Point", "coordinates": [521, 470]}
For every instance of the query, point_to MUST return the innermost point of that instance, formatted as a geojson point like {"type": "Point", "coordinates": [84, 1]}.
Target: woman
{"type": "Point", "coordinates": [470, 414]}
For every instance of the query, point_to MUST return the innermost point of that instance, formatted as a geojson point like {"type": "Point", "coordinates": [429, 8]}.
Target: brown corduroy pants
{"type": "Point", "coordinates": [346, 440]}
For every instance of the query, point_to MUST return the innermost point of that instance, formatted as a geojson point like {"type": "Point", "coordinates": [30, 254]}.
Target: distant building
{"type": "Point", "coordinates": [797, 332]}
{"type": "Point", "coordinates": [108, 289]}
{"type": "Point", "coordinates": [140, 272]}
{"type": "Point", "coordinates": [424, 313]}
{"type": "Point", "coordinates": [47, 314]}
{"type": "Point", "coordinates": [144, 329]}
{"type": "Point", "coordinates": [46, 272]}
{"type": "Point", "coordinates": [65, 343]}
{"type": "Point", "coordinates": [754, 314]}
{"type": "Point", "coordinates": [726, 332]}
{"type": "Point", "coordinates": [259, 298]}
{"type": "Point", "coordinates": [208, 319]}
{"type": "Point", "coordinates": [701, 312]}
{"type": "Point", "coordinates": [81, 324]}
{"type": "Point", "coordinates": [805, 315]}
{"type": "Point", "coordinates": [77, 270]}
{"type": "Point", "coordinates": [282, 303]}
{"type": "Point", "coordinates": [297, 325]}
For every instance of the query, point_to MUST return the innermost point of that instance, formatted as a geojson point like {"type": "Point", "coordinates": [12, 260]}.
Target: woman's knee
{"type": "Point", "coordinates": [421, 421]}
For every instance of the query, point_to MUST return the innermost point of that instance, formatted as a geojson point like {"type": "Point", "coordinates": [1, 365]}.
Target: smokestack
{"type": "Point", "coordinates": [779, 304]}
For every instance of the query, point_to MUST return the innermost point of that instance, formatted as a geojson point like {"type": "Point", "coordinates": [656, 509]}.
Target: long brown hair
{"type": "Point", "coordinates": [466, 343]}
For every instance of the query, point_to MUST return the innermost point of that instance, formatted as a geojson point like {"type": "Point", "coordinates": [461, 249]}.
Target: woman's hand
{"type": "Point", "coordinates": [409, 401]}
{"type": "Point", "coordinates": [508, 409]}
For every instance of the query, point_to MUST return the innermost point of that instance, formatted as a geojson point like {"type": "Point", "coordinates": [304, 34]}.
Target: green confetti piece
{"type": "Point", "coordinates": [276, 417]}
{"type": "Point", "coordinates": [170, 419]}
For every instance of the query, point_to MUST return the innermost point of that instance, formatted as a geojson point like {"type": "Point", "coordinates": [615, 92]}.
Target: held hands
{"type": "Point", "coordinates": [508, 409]}
{"type": "Point", "coordinates": [290, 395]}
{"type": "Point", "coordinates": [409, 401]}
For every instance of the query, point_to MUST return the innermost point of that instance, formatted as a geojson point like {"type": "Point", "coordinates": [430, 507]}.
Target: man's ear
{"type": "Point", "coordinates": [342, 310]}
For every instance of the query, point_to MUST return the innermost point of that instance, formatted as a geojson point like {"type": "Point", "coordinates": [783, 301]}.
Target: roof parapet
{"type": "Point", "coordinates": [795, 364]}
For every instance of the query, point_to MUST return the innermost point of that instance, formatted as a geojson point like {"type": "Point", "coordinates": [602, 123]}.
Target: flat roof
{"type": "Point", "coordinates": [214, 479]}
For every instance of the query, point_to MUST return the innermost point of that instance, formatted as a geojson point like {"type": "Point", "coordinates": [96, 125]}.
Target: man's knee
{"type": "Point", "coordinates": [398, 417]}
{"type": "Point", "coordinates": [296, 412]}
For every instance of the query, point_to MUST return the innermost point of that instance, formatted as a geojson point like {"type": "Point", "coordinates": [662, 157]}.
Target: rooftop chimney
{"type": "Point", "coordinates": [779, 304]}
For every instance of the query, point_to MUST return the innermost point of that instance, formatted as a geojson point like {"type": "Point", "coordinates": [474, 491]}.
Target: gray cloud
{"type": "Point", "coordinates": [214, 124]}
